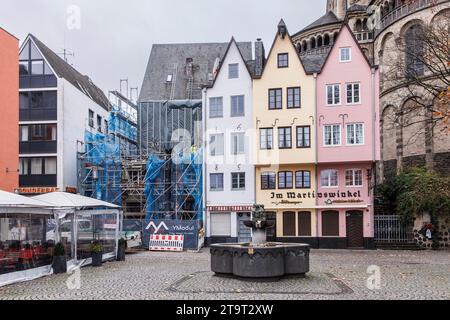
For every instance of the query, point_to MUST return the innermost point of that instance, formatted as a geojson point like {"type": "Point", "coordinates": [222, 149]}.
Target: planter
{"type": "Point", "coordinates": [121, 253]}
{"type": "Point", "coordinates": [97, 259]}
{"type": "Point", "coordinates": [59, 264]}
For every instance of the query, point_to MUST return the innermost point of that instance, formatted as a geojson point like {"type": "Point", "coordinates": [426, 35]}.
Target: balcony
{"type": "Point", "coordinates": [30, 147]}
{"type": "Point", "coordinates": [403, 11]}
{"type": "Point", "coordinates": [37, 181]}
{"type": "Point", "coordinates": [38, 114]}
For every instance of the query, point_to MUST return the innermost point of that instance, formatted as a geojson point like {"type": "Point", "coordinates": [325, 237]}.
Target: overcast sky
{"type": "Point", "coordinates": [112, 39]}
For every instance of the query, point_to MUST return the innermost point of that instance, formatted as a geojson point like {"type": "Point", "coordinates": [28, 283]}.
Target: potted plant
{"type": "Point", "coordinates": [59, 259]}
{"type": "Point", "coordinates": [96, 249]}
{"type": "Point", "coordinates": [121, 249]}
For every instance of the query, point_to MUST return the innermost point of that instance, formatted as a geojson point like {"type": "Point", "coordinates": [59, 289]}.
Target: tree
{"type": "Point", "coordinates": [418, 67]}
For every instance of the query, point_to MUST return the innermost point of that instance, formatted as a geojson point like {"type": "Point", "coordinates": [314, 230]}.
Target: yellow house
{"type": "Point", "coordinates": [285, 155]}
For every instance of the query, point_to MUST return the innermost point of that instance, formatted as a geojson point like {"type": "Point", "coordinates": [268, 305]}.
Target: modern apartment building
{"type": "Point", "coordinates": [57, 105]}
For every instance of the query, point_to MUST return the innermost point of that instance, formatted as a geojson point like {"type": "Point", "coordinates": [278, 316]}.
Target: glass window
{"type": "Point", "coordinates": [23, 68]}
{"type": "Point", "coordinates": [47, 70]}
{"type": "Point", "coordinates": [216, 107]}
{"type": "Point", "coordinates": [216, 143]}
{"type": "Point", "coordinates": [37, 99]}
{"type": "Point", "coordinates": [43, 132]}
{"type": "Point", "coordinates": [293, 97]}
{"type": "Point", "coordinates": [329, 178]}
{"type": "Point", "coordinates": [50, 165]}
{"type": "Point", "coordinates": [285, 138]}
{"type": "Point", "coordinates": [24, 101]}
{"type": "Point", "coordinates": [268, 180]}
{"type": "Point", "coordinates": [303, 179]}
{"type": "Point", "coordinates": [37, 67]}
{"type": "Point", "coordinates": [99, 123]}
{"type": "Point", "coordinates": [233, 71]}
{"type": "Point", "coordinates": [285, 180]}
{"type": "Point", "coordinates": [35, 53]}
{"type": "Point", "coordinates": [36, 166]}
{"type": "Point", "coordinates": [23, 166]}
{"type": "Point", "coordinates": [216, 181]}
{"type": "Point", "coordinates": [23, 134]}
{"type": "Point", "coordinates": [353, 93]}
{"type": "Point", "coordinates": [283, 60]}
{"type": "Point", "coordinates": [354, 178]}
{"type": "Point", "coordinates": [333, 94]}
{"type": "Point", "coordinates": [332, 135]}
{"type": "Point", "coordinates": [237, 106]}
{"type": "Point", "coordinates": [91, 118]}
{"type": "Point", "coordinates": [238, 181]}
{"type": "Point", "coordinates": [304, 137]}
{"type": "Point", "coordinates": [275, 99]}
{"type": "Point", "coordinates": [266, 138]}
{"type": "Point", "coordinates": [237, 143]}
{"type": "Point", "coordinates": [345, 54]}
{"type": "Point", "coordinates": [355, 134]}
{"type": "Point", "coordinates": [25, 53]}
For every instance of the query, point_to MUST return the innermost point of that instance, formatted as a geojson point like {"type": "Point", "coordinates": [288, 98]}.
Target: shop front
{"type": "Point", "coordinates": [226, 224]}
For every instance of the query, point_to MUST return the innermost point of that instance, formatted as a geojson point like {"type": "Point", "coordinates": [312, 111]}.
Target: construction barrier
{"type": "Point", "coordinates": [164, 242]}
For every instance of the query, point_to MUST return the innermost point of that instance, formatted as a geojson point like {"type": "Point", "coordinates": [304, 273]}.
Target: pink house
{"type": "Point", "coordinates": [348, 145]}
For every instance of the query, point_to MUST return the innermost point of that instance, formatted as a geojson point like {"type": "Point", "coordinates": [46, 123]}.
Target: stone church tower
{"type": "Point", "coordinates": [339, 7]}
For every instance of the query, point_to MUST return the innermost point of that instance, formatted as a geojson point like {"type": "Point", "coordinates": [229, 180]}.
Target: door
{"type": "Point", "coordinates": [355, 232]}
{"type": "Point", "coordinates": [272, 232]}
{"type": "Point", "coordinates": [244, 232]}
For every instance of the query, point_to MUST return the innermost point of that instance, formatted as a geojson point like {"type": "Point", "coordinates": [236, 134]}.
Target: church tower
{"type": "Point", "coordinates": [339, 7]}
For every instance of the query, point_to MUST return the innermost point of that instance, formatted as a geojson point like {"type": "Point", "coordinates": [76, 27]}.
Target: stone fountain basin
{"type": "Point", "coordinates": [269, 261]}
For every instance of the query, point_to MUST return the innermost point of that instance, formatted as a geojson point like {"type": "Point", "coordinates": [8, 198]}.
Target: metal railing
{"type": "Point", "coordinates": [404, 10]}
{"type": "Point", "coordinates": [389, 228]}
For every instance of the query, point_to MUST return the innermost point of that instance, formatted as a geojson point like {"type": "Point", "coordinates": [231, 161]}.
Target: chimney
{"type": "Point", "coordinates": [260, 57]}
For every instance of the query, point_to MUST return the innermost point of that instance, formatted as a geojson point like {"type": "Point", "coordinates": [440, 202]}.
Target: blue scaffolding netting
{"type": "Point", "coordinates": [103, 157]}
{"type": "Point", "coordinates": [173, 186]}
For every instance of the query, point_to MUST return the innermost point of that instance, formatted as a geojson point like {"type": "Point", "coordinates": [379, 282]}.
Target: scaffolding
{"type": "Point", "coordinates": [161, 184]}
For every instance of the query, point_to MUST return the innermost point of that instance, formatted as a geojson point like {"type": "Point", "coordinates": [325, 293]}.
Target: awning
{"type": "Point", "coordinates": [13, 200]}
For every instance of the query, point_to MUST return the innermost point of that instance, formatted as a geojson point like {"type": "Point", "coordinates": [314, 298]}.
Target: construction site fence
{"type": "Point", "coordinates": [192, 230]}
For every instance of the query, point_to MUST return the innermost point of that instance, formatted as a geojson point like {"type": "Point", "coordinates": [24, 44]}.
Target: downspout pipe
{"type": "Point", "coordinates": [316, 146]}
{"type": "Point", "coordinates": [203, 146]}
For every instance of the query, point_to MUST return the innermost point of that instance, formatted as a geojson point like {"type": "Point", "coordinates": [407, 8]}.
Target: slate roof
{"type": "Point", "coordinates": [328, 18]}
{"type": "Point", "coordinates": [170, 59]}
{"type": "Point", "coordinates": [78, 80]}
{"type": "Point", "coordinates": [313, 63]}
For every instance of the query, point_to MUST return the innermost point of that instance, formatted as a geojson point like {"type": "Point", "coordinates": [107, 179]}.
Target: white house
{"type": "Point", "coordinates": [229, 172]}
{"type": "Point", "coordinates": [57, 106]}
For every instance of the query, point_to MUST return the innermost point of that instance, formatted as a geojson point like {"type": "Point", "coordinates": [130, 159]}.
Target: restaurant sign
{"type": "Point", "coordinates": [36, 190]}
{"type": "Point", "coordinates": [230, 208]}
{"type": "Point", "coordinates": [296, 198]}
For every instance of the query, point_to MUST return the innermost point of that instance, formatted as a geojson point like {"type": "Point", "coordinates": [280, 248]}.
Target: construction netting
{"type": "Point", "coordinates": [101, 163]}
{"type": "Point", "coordinates": [173, 186]}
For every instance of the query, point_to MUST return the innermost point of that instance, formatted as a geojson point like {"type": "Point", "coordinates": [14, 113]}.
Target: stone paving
{"type": "Point", "coordinates": [335, 274]}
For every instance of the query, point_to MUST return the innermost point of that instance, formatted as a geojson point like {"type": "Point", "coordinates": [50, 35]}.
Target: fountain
{"type": "Point", "coordinates": [260, 259]}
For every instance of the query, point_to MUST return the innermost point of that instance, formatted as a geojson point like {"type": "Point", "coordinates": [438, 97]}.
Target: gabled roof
{"type": "Point", "coordinates": [313, 63]}
{"type": "Point", "coordinates": [326, 19]}
{"type": "Point", "coordinates": [170, 59]}
{"type": "Point", "coordinates": [345, 25]}
{"type": "Point", "coordinates": [250, 65]}
{"type": "Point", "coordinates": [69, 73]}
{"type": "Point", "coordinates": [283, 25]}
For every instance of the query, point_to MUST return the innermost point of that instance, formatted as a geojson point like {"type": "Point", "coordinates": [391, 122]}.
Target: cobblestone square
{"type": "Point", "coordinates": [335, 274]}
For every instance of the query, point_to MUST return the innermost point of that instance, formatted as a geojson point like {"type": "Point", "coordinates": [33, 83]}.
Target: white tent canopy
{"type": "Point", "coordinates": [13, 200]}
{"type": "Point", "coordinates": [70, 200]}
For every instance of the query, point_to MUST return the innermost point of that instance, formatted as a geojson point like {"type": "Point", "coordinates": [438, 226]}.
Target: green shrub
{"type": "Point", "coordinates": [59, 250]}
{"type": "Point", "coordinates": [96, 247]}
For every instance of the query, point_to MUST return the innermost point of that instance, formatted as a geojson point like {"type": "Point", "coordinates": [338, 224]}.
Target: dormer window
{"type": "Point", "coordinates": [283, 60]}
{"type": "Point", "coordinates": [345, 55]}
{"type": "Point", "coordinates": [169, 78]}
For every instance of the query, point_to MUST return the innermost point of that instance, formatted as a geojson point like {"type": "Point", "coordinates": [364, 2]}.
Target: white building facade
{"type": "Point", "coordinates": [229, 173]}
{"type": "Point", "coordinates": [58, 105]}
